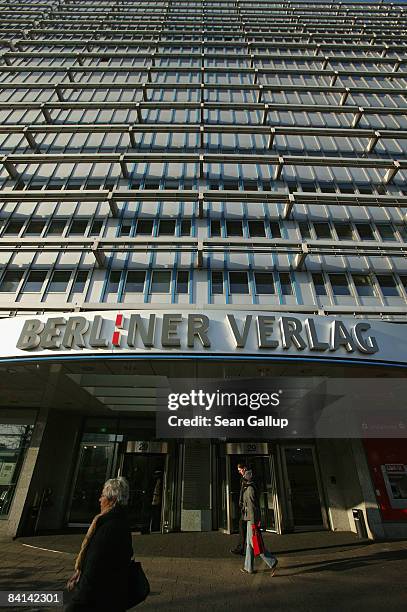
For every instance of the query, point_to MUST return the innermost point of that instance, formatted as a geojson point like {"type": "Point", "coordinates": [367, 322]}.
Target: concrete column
{"type": "Point", "coordinates": [10, 528]}
{"type": "Point", "coordinates": [18, 509]}
{"type": "Point", "coordinates": [368, 502]}
{"type": "Point", "coordinates": [331, 454]}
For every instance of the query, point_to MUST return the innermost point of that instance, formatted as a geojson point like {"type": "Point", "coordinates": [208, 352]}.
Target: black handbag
{"type": "Point", "coordinates": [138, 585]}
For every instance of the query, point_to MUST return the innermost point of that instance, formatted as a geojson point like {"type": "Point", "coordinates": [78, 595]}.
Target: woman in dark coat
{"type": "Point", "coordinates": [99, 583]}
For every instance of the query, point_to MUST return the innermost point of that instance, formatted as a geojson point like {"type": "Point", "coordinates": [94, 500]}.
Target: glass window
{"type": "Point", "coordinates": [363, 284]}
{"type": "Point", "coordinates": [387, 285]}
{"type": "Point", "coordinates": [11, 280]}
{"type": "Point", "coordinates": [35, 280]}
{"type": "Point", "coordinates": [403, 232]}
{"type": "Point", "coordinates": [182, 281]}
{"type": "Point", "coordinates": [113, 282]}
{"type": "Point", "coordinates": [13, 228]}
{"type": "Point", "coordinates": [234, 228]}
{"type": "Point", "coordinates": [80, 281]}
{"type": "Point", "coordinates": [230, 185]}
{"type": "Point", "coordinates": [125, 228]}
{"type": "Point", "coordinates": [339, 284]}
{"type": "Point", "coordinates": [34, 228]}
{"type": "Point", "coordinates": [185, 227]}
{"type": "Point", "coordinates": [215, 227]}
{"type": "Point", "coordinates": [344, 231]}
{"type": "Point", "coordinates": [365, 190]}
{"type": "Point", "coordinates": [346, 188]}
{"type": "Point", "coordinates": [275, 229]}
{"type": "Point", "coordinates": [135, 281]}
{"type": "Point", "coordinates": [308, 187]}
{"type": "Point", "coordinates": [256, 229]}
{"type": "Point", "coordinates": [166, 227]}
{"type": "Point", "coordinates": [59, 281]}
{"type": "Point", "coordinates": [322, 230]}
{"type": "Point", "coordinates": [291, 185]}
{"type": "Point", "coordinates": [161, 282]}
{"type": "Point", "coordinates": [56, 227]}
{"type": "Point", "coordinates": [151, 183]}
{"type": "Point", "coordinates": [404, 282]}
{"type": "Point", "coordinates": [319, 284]}
{"type": "Point", "coordinates": [217, 282]}
{"type": "Point", "coordinates": [285, 283]}
{"type": "Point", "coordinates": [264, 282]}
{"type": "Point", "coordinates": [14, 441]}
{"type": "Point", "coordinates": [365, 231]}
{"type": "Point", "coordinates": [250, 185]}
{"type": "Point", "coordinates": [145, 226]}
{"type": "Point", "coordinates": [238, 282]}
{"type": "Point", "coordinates": [386, 232]}
{"type": "Point", "coordinates": [78, 227]}
{"type": "Point", "coordinates": [305, 230]}
{"type": "Point", "coordinates": [96, 227]}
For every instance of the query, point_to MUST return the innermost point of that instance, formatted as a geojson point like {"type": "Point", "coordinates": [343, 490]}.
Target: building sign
{"type": "Point", "coordinates": [216, 331]}
{"type": "Point", "coordinates": [247, 448]}
{"type": "Point", "coordinates": [147, 446]}
{"type": "Point", "coordinates": [177, 330]}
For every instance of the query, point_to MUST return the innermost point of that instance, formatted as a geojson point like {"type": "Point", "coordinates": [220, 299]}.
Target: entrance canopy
{"type": "Point", "coordinates": [112, 386]}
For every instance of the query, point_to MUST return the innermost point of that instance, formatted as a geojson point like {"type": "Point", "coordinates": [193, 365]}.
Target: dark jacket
{"type": "Point", "coordinates": [103, 583]}
{"type": "Point", "coordinates": [242, 487]}
{"type": "Point", "coordinates": [243, 482]}
{"type": "Point", "coordinates": [251, 507]}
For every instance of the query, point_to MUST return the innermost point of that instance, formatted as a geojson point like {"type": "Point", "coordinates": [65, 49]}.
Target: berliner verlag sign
{"type": "Point", "coordinates": [191, 330]}
{"type": "Point", "coordinates": [226, 331]}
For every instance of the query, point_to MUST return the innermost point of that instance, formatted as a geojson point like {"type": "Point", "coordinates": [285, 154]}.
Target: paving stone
{"type": "Point", "coordinates": [195, 571]}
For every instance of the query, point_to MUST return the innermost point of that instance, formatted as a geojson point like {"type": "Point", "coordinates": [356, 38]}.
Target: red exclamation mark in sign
{"type": "Point", "coordinates": [116, 333]}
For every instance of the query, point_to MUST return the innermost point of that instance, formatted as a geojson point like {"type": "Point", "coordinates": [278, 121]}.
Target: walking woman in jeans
{"type": "Point", "coordinates": [251, 514]}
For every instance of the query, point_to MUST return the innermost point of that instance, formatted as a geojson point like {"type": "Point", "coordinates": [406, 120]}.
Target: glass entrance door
{"type": "Point", "coordinates": [263, 472]}
{"type": "Point", "coordinates": [94, 468]}
{"type": "Point", "coordinates": [145, 474]}
{"type": "Point", "coordinates": [305, 506]}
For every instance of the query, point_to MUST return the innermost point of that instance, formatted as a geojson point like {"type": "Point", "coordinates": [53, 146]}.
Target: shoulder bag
{"type": "Point", "coordinates": [138, 585]}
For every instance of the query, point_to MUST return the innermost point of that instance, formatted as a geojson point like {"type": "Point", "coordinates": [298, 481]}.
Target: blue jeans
{"type": "Point", "coordinates": [249, 559]}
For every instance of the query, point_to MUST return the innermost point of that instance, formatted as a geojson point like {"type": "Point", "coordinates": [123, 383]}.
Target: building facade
{"type": "Point", "coordinates": [197, 159]}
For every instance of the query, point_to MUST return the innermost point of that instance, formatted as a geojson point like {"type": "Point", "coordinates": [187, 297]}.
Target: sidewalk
{"type": "Point", "coordinates": [321, 571]}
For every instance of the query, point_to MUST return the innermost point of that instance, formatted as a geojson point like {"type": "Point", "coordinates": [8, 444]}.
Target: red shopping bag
{"type": "Point", "coordinates": [257, 540]}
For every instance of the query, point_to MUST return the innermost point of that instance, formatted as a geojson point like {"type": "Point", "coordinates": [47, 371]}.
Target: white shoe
{"type": "Point", "coordinates": [273, 568]}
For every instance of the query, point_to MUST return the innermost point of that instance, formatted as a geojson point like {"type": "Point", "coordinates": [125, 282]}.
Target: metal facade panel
{"type": "Point", "coordinates": [230, 80]}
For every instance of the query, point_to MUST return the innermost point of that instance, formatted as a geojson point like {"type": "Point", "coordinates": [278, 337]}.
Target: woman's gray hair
{"type": "Point", "coordinates": [117, 488]}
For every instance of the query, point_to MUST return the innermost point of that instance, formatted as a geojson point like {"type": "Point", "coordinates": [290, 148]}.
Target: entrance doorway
{"type": "Point", "coordinates": [145, 474]}
{"type": "Point", "coordinates": [264, 476]}
{"type": "Point", "coordinates": [304, 498]}
{"type": "Point", "coordinates": [94, 468]}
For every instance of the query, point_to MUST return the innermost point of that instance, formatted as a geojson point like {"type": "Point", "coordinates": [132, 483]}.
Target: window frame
{"type": "Point", "coordinates": [155, 273]}
{"type": "Point", "coordinates": [273, 284]}
{"type": "Point", "coordinates": [231, 283]}
{"type": "Point", "coordinates": [336, 275]}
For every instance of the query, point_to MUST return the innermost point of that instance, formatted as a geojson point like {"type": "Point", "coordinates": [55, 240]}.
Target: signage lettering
{"type": "Point", "coordinates": [194, 330]}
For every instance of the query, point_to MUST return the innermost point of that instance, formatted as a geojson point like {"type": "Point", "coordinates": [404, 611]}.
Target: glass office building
{"type": "Point", "coordinates": [174, 157]}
